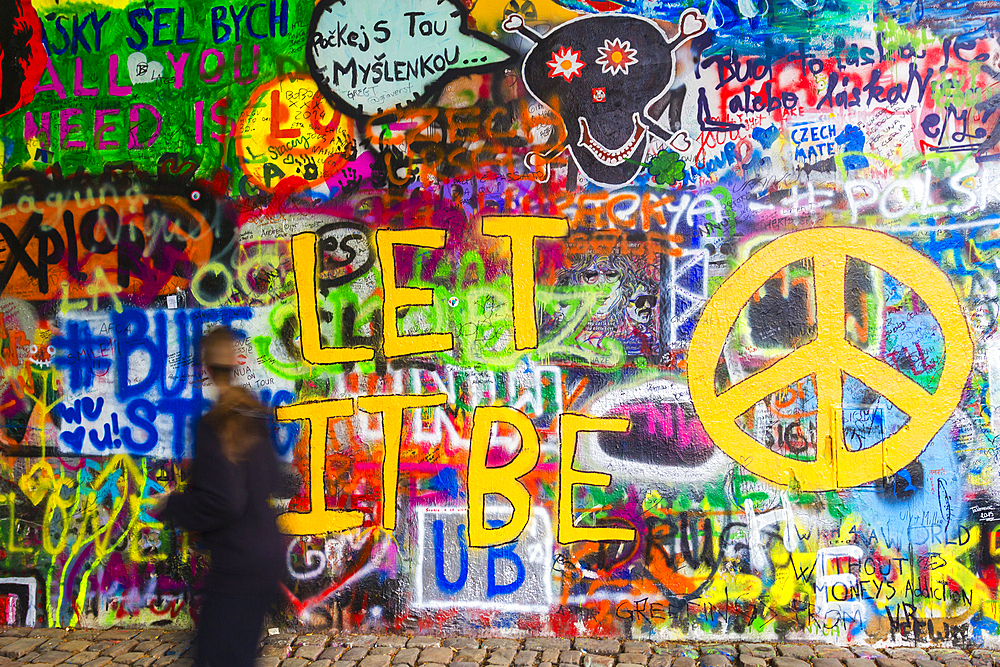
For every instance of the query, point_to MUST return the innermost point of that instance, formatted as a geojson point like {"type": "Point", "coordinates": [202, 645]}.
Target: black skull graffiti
{"type": "Point", "coordinates": [601, 74]}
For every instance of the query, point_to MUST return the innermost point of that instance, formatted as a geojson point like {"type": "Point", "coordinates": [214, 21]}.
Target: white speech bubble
{"type": "Point", "coordinates": [368, 57]}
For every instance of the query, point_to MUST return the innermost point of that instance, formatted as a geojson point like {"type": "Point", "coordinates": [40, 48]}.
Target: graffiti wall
{"type": "Point", "coordinates": [672, 319]}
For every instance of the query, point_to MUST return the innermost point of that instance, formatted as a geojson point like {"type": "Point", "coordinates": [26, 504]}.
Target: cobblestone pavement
{"type": "Point", "coordinates": [159, 648]}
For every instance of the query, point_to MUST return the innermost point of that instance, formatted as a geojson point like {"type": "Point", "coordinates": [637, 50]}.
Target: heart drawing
{"type": "Point", "coordinates": [141, 70]}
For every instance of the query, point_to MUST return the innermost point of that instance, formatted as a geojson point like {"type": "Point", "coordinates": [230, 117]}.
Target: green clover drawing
{"type": "Point", "coordinates": [666, 168]}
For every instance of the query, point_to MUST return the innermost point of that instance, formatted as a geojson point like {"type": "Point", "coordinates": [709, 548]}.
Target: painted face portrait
{"type": "Point", "coordinates": [601, 273]}
{"type": "Point", "coordinates": [642, 303]}
{"type": "Point", "coordinates": [22, 56]}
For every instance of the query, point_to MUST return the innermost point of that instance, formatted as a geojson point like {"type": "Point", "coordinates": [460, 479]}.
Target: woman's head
{"type": "Point", "coordinates": [239, 418]}
{"type": "Point", "coordinates": [218, 354]}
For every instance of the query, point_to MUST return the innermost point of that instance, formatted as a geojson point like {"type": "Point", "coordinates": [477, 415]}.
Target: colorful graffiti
{"type": "Point", "coordinates": [669, 320]}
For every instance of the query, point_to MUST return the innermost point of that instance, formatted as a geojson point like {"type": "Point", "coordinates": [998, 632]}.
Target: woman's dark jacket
{"type": "Point", "coordinates": [228, 504]}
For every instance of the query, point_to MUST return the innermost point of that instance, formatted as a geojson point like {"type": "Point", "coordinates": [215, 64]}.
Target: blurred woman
{"type": "Point", "coordinates": [235, 471]}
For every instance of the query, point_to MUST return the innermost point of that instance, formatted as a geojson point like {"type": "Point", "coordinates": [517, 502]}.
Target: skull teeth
{"type": "Point", "coordinates": [611, 157]}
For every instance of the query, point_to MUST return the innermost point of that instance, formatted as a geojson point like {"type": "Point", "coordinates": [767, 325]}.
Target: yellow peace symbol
{"type": "Point", "coordinates": [829, 357]}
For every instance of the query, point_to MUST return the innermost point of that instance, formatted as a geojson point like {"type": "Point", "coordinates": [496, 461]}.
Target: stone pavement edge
{"type": "Point", "coordinates": [153, 647]}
